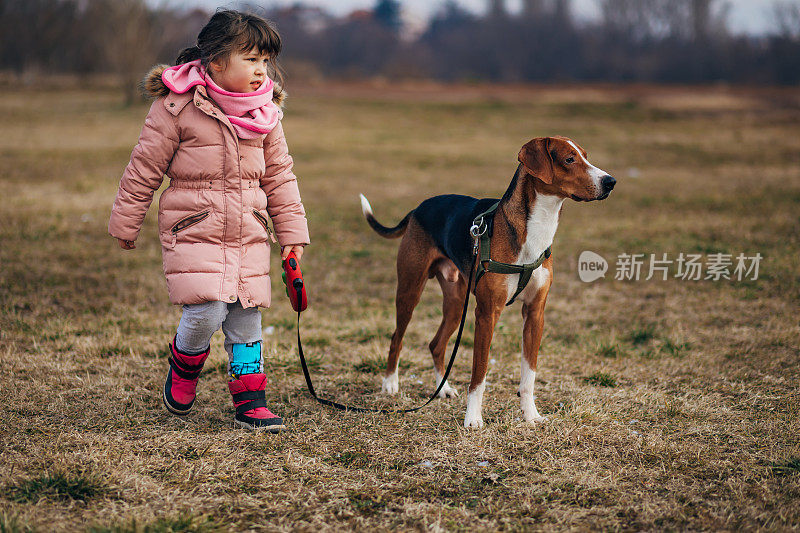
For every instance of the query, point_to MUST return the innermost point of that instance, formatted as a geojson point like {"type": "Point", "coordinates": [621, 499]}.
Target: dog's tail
{"type": "Point", "coordinates": [380, 229]}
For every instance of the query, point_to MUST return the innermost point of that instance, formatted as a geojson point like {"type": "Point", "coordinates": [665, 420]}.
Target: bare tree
{"type": "Point", "coordinates": [701, 19]}
{"type": "Point", "coordinates": [33, 33]}
{"type": "Point", "coordinates": [497, 8]}
{"type": "Point", "coordinates": [562, 11]}
{"type": "Point", "coordinates": [532, 8]}
{"type": "Point", "coordinates": [642, 20]}
{"type": "Point", "coordinates": [131, 40]}
{"type": "Point", "coordinates": [786, 15]}
{"type": "Point", "coordinates": [637, 40]}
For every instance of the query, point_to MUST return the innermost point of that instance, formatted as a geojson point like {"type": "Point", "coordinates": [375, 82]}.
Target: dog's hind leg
{"type": "Point", "coordinates": [454, 291]}
{"type": "Point", "coordinates": [413, 261]}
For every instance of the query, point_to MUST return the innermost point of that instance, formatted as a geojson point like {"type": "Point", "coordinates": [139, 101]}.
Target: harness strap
{"type": "Point", "coordinates": [482, 231]}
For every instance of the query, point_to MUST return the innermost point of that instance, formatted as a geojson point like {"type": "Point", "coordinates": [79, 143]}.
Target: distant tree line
{"type": "Point", "coordinates": [674, 41]}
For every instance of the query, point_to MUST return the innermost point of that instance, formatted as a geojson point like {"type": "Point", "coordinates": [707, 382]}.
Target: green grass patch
{"type": "Point", "coordinates": [58, 485]}
{"type": "Point", "coordinates": [364, 503]}
{"type": "Point", "coordinates": [10, 523]}
{"type": "Point", "coordinates": [786, 468]}
{"type": "Point", "coordinates": [610, 350]}
{"type": "Point", "coordinates": [601, 379]}
{"type": "Point", "coordinates": [642, 334]}
{"type": "Point", "coordinates": [675, 349]}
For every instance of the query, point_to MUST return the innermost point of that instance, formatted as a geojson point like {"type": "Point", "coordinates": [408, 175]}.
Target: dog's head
{"type": "Point", "coordinates": [562, 168]}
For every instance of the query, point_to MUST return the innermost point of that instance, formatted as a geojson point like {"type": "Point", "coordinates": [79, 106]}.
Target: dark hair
{"type": "Point", "coordinates": [231, 31]}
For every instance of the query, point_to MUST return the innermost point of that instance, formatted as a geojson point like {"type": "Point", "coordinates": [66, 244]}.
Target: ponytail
{"type": "Point", "coordinates": [188, 54]}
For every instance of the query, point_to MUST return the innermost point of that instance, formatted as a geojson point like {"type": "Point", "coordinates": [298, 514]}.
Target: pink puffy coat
{"type": "Point", "coordinates": [223, 190]}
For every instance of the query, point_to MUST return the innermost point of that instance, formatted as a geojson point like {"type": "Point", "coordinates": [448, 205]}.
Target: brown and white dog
{"type": "Point", "coordinates": [437, 243]}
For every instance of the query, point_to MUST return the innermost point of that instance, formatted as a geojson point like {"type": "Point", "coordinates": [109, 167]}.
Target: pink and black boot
{"type": "Point", "coordinates": [251, 405]}
{"type": "Point", "coordinates": [181, 385]}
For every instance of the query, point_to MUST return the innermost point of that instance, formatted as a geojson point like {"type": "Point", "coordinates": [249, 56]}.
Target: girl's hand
{"type": "Point", "coordinates": [289, 248]}
{"type": "Point", "coordinates": [126, 245]}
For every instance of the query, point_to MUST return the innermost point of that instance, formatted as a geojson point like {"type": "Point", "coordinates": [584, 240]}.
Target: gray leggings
{"type": "Point", "coordinates": [200, 321]}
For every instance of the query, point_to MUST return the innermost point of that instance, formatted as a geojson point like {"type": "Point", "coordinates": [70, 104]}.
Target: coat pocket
{"type": "Point", "coordinates": [264, 222]}
{"type": "Point", "coordinates": [191, 220]}
{"type": "Point", "coordinates": [182, 224]}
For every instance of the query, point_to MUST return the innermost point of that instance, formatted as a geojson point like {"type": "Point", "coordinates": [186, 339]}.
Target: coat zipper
{"type": "Point", "coordinates": [191, 220]}
{"type": "Point", "coordinates": [263, 220]}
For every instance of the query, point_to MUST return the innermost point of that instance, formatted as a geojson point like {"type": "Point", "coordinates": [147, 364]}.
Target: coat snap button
{"type": "Point", "coordinates": [172, 104]}
{"type": "Point", "coordinates": [232, 298]}
{"type": "Point", "coordinates": [197, 104]}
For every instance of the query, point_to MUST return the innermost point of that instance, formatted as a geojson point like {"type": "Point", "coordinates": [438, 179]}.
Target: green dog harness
{"type": "Point", "coordinates": [480, 232]}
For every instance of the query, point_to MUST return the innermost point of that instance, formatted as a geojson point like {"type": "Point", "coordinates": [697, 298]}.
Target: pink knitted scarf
{"type": "Point", "coordinates": [251, 114]}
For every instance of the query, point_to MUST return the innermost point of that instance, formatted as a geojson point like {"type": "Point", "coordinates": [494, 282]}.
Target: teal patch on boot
{"type": "Point", "coordinates": [246, 358]}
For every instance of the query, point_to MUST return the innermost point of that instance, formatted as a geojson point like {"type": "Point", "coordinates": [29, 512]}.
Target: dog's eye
{"type": "Point", "coordinates": [569, 160]}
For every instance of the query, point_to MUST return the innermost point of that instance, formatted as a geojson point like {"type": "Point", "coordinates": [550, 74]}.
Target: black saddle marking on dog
{"type": "Point", "coordinates": [447, 219]}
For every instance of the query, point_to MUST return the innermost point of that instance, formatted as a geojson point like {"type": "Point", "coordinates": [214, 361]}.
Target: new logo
{"type": "Point", "coordinates": [591, 266]}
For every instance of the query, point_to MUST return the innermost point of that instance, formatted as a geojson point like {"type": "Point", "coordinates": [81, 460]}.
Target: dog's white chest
{"type": "Point", "coordinates": [541, 230]}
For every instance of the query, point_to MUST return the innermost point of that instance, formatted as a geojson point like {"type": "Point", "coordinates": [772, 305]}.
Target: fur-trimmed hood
{"type": "Point", "coordinates": [153, 86]}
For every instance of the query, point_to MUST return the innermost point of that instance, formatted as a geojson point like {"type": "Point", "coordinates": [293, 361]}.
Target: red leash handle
{"type": "Point", "coordinates": [295, 287]}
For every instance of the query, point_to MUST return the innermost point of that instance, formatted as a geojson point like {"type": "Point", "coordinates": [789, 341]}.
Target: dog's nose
{"type": "Point", "coordinates": [608, 183]}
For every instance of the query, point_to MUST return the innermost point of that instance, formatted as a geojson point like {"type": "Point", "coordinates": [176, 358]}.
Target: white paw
{"type": "Point", "coordinates": [390, 384]}
{"type": "Point", "coordinates": [447, 391]}
{"type": "Point", "coordinates": [532, 415]}
{"type": "Point", "coordinates": [529, 410]}
{"type": "Point", "coordinates": [473, 421]}
{"type": "Point", "coordinates": [536, 419]}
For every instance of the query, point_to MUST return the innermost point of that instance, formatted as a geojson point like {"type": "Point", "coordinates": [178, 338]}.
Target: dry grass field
{"type": "Point", "coordinates": [672, 405]}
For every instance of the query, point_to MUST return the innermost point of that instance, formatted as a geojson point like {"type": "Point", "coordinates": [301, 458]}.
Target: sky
{"type": "Point", "coordinates": [745, 16]}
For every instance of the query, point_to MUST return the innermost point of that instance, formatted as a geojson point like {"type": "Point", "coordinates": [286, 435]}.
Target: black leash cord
{"type": "Point", "coordinates": [343, 407]}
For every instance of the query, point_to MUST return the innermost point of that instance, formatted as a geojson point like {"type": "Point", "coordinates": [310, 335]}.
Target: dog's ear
{"type": "Point", "coordinates": [535, 157]}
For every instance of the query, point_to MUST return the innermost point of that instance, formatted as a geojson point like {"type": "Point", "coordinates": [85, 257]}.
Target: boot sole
{"type": "Point", "coordinates": [272, 429]}
{"type": "Point", "coordinates": [172, 409]}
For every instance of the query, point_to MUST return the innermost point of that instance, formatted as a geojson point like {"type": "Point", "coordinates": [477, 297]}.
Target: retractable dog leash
{"type": "Point", "coordinates": [293, 277]}
{"type": "Point", "coordinates": [295, 289]}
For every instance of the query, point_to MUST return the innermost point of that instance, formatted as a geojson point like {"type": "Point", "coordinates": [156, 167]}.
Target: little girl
{"type": "Point", "coordinates": [215, 131]}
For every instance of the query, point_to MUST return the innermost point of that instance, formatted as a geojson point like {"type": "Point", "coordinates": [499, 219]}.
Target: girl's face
{"type": "Point", "coordinates": [242, 72]}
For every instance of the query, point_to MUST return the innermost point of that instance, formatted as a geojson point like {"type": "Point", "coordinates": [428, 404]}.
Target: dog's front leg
{"type": "Point", "coordinates": [486, 315]}
{"type": "Point", "coordinates": [533, 316]}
